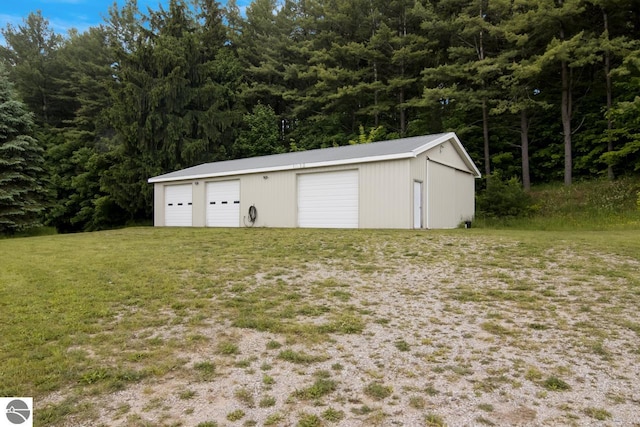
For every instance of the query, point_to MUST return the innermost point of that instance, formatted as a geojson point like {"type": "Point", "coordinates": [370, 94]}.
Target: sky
{"type": "Point", "coordinates": [66, 14]}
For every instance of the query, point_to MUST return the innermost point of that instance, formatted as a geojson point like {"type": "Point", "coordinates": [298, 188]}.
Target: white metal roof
{"type": "Point", "coordinates": [344, 155]}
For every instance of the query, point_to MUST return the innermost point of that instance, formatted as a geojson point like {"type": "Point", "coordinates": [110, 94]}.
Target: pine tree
{"type": "Point", "coordinates": [36, 71]}
{"type": "Point", "coordinates": [77, 160]}
{"type": "Point", "coordinates": [174, 104]}
{"type": "Point", "coordinates": [465, 78]}
{"type": "Point", "coordinates": [20, 164]}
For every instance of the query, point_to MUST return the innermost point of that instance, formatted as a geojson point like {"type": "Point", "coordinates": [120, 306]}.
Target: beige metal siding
{"type": "Point", "coordinates": [386, 195]}
{"type": "Point", "coordinates": [440, 196]}
{"type": "Point", "coordinates": [158, 204]}
{"type": "Point", "coordinates": [450, 196]}
{"type": "Point", "coordinates": [465, 196]}
{"type": "Point", "coordinates": [273, 195]}
{"type": "Point", "coordinates": [447, 154]}
{"type": "Point", "coordinates": [199, 203]}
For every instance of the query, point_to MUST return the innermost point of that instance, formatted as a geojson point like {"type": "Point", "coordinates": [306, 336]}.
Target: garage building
{"type": "Point", "coordinates": [418, 182]}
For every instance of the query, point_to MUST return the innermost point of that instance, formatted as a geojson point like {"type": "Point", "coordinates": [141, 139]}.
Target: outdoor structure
{"type": "Point", "coordinates": [418, 182]}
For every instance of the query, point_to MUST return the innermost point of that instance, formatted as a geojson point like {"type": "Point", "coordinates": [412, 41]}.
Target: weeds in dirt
{"type": "Point", "coordinates": [273, 419]}
{"type": "Point", "coordinates": [554, 383]}
{"type": "Point", "coordinates": [267, 402]}
{"type": "Point", "coordinates": [598, 413]}
{"type": "Point", "coordinates": [434, 420]}
{"type": "Point", "coordinates": [378, 391]}
{"type": "Point", "coordinates": [333, 415]}
{"type": "Point", "coordinates": [417, 402]}
{"type": "Point", "coordinates": [299, 357]}
{"type": "Point", "coordinates": [309, 420]}
{"type": "Point", "coordinates": [245, 396]}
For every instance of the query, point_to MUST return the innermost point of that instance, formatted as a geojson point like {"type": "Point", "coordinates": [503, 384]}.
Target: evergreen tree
{"type": "Point", "coordinates": [465, 78]}
{"type": "Point", "coordinates": [174, 103]}
{"type": "Point", "coordinates": [626, 117]}
{"type": "Point", "coordinates": [20, 164]}
{"type": "Point", "coordinates": [519, 99]}
{"type": "Point", "coordinates": [31, 56]}
{"type": "Point", "coordinates": [78, 159]}
{"type": "Point", "coordinates": [567, 50]}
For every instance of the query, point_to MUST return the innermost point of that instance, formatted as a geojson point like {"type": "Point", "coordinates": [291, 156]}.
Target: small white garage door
{"type": "Point", "coordinates": [223, 204]}
{"type": "Point", "coordinates": [328, 200]}
{"type": "Point", "coordinates": [178, 209]}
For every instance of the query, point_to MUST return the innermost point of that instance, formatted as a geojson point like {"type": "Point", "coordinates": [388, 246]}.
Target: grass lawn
{"type": "Point", "coordinates": [320, 327]}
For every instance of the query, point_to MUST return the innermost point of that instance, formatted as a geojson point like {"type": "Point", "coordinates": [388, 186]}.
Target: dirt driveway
{"type": "Point", "coordinates": [456, 334]}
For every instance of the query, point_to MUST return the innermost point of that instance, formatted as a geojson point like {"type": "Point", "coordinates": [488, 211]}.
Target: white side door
{"type": "Point", "coordinates": [417, 204]}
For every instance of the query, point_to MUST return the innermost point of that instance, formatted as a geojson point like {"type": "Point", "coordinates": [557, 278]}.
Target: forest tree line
{"type": "Point", "coordinates": [545, 90]}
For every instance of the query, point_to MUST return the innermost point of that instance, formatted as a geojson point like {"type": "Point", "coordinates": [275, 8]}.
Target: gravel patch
{"type": "Point", "coordinates": [451, 337]}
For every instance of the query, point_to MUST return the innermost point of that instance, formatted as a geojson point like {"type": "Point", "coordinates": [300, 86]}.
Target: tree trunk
{"type": "Point", "coordinates": [403, 34]}
{"type": "Point", "coordinates": [403, 126]}
{"type": "Point", "coordinates": [524, 144]}
{"type": "Point", "coordinates": [376, 118]}
{"type": "Point", "coordinates": [485, 134]}
{"type": "Point", "coordinates": [485, 109]}
{"type": "Point", "coordinates": [607, 76]}
{"type": "Point", "coordinates": [565, 105]}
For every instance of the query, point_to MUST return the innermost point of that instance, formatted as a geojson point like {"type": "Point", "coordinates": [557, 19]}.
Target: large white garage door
{"type": "Point", "coordinates": [328, 200]}
{"type": "Point", "coordinates": [178, 209]}
{"type": "Point", "coordinates": [223, 204]}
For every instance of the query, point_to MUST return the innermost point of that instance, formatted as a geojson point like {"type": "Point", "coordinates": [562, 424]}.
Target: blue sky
{"type": "Point", "coordinates": [66, 14]}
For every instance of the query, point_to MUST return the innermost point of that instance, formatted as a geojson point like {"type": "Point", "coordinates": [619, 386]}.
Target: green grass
{"type": "Point", "coordinates": [267, 402]}
{"type": "Point", "coordinates": [433, 420]}
{"type": "Point", "coordinates": [402, 345]}
{"type": "Point", "coordinates": [309, 420]}
{"type": "Point", "coordinates": [299, 357]}
{"type": "Point", "coordinates": [321, 387]}
{"type": "Point", "coordinates": [273, 419]}
{"type": "Point", "coordinates": [236, 415]}
{"type": "Point", "coordinates": [333, 415]}
{"type": "Point", "coordinates": [205, 370]}
{"type": "Point", "coordinates": [87, 314]}
{"type": "Point", "coordinates": [556, 384]}
{"type": "Point", "coordinates": [598, 413]}
{"type": "Point", "coordinates": [378, 391]}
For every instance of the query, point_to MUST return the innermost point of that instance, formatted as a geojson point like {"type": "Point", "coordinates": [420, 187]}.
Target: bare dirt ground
{"type": "Point", "coordinates": [462, 340]}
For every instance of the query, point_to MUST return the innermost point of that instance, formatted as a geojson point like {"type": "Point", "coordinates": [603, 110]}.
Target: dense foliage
{"type": "Point", "coordinates": [503, 199]}
{"type": "Point", "coordinates": [542, 90]}
{"type": "Point", "coordinates": [21, 162]}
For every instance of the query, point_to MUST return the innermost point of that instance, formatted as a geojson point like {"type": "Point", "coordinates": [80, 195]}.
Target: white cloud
{"type": "Point", "coordinates": [9, 19]}
{"type": "Point", "coordinates": [64, 1]}
{"type": "Point", "coordinates": [5, 20]}
{"type": "Point", "coordinates": [62, 26]}
{"type": "Point", "coordinates": [59, 26]}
